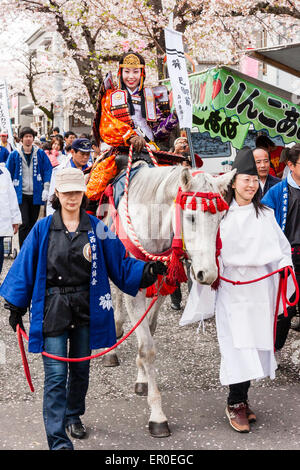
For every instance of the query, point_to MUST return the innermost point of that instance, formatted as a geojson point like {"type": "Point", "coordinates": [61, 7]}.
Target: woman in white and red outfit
{"type": "Point", "coordinates": [253, 246]}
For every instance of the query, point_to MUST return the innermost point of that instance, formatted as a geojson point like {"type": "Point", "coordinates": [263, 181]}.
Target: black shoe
{"type": "Point", "coordinates": [175, 306]}
{"type": "Point", "coordinates": [77, 430]}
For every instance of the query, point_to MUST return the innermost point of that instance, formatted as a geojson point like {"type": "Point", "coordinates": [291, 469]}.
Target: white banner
{"type": "Point", "coordinates": [5, 123]}
{"type": "Point", "coordinates": [179, 77]}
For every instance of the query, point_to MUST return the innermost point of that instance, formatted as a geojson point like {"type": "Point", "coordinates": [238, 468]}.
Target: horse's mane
{"type": "Point", "coordinates": [148, 180]}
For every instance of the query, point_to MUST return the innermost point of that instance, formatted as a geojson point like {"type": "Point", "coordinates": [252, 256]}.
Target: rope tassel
{"type": "Point", "coordinates": [204, 207]}
{"type": "Point", "coordinates": [212, 208]}
{"type": "Point", "coordinates": [176, 272]}
{"type": "Point", "coordinates": [221, 204]}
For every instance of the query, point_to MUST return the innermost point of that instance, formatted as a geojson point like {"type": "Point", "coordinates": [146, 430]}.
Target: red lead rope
{"type": "Point", "coordinates": [21, 333]}
{"type": "Point", "coordinates": [281, 293]}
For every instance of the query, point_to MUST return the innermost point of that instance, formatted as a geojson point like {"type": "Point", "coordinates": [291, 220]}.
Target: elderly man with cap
{"type": "Point", "coordinates": [4, 154]}
{"type": "Point", "coordinates": [62, 273]}
{"type": "Point", "coordinates": [80, 158]}
{"type": "Point", "coordinates": [4, 140]}
{"type": "Point", "coordinates": [30, 170]}
{"type": "Point", "coordinates": [252, 246]}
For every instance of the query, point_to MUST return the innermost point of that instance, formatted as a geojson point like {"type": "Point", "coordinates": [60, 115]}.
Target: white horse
{"type": "Point", "coordinates": [151, 197]}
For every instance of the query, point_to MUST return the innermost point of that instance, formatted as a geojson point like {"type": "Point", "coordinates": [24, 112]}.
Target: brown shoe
{"type": "Point", "coordinates": [237, 417]}
{"type": "Point", "coordinates": [250, 414]}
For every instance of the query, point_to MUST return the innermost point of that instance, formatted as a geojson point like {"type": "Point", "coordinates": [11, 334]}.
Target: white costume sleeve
{"type": "Point", "coordinates": [200, 304]}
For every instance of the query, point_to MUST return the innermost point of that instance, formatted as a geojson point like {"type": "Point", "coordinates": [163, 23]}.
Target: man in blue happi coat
{"type": "Point", "coordinates": [30, 170]}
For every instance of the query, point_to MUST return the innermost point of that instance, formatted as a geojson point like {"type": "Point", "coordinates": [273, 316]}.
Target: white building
{"type": "Point", "coordinates": [42, 46]}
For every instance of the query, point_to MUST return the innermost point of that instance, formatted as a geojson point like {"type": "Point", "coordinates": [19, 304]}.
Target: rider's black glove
{"type": "Point", "coordinates": [150, 273]}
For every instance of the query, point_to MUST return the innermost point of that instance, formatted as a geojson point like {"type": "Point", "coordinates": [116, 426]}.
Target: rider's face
{"type": "Point", "coordinates": [131, 78]}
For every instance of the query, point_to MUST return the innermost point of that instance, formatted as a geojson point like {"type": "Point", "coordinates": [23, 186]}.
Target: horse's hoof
{"type": "Point", "coordinates": [159, 429]}
{"type": "Point", "coordinates": [141, 388]}
{"type": "Point", "coordinates": [110, 360]}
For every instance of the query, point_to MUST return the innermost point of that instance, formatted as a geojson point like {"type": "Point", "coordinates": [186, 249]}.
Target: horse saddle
{"type": "Point", "coordinates": [118, 184]}
{"type": "Point", "coordinates": [162, 158]}
{"type": "Point", "coordinates": [121, 158]}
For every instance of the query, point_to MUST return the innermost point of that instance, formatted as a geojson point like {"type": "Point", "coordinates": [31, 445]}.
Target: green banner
{"type": "Point", "coordinates": [225, 105]}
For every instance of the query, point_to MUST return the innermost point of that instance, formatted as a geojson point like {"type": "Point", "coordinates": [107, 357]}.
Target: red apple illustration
{"type": "Point", "coordinates": [217, 85]}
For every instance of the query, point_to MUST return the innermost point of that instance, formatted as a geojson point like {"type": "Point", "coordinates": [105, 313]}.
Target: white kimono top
{"type": "Point", "coordinates": [251, 247]}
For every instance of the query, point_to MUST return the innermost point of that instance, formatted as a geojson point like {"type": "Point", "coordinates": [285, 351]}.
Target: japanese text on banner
{"type": "Point", "coordinates": [179, 77]}
{"type": "Point", "coordinates": [4, 112]}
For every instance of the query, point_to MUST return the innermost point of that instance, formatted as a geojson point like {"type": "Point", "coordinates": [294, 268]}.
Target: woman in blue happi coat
{"type": "Point", "coordinates": [62, 273]}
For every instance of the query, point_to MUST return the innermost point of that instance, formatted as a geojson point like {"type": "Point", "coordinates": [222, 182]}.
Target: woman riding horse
{"type": "Point", "coordinates": [130, 114]}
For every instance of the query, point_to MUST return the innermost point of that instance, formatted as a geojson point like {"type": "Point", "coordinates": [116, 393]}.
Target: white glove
{"type": "Point", "coordinates": [45, 195]}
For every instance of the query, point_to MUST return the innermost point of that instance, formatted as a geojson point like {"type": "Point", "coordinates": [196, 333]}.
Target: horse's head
{"type": "Point", "coordinates": [199, 223]}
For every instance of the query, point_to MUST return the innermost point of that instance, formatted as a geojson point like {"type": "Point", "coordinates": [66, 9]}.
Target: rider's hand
{"type": "Point", "coordinates": [137, 142]}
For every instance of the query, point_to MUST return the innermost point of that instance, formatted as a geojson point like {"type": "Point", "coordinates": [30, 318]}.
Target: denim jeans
{"type": "Point", "coordinates": [65, 385]}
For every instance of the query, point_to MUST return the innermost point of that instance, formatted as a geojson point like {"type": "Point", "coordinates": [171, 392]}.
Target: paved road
{"type": "Point", "coordinates": [193, 399]}
{"type": "Point", "coordinates": [196, 419]}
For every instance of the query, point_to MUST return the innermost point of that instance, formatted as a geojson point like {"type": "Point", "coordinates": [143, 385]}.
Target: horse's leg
{"type": "Point", "coordinates": [158, 424]}
{"type": "Point", "coordinates": [153, 314]}
{"type": "Point", "coordinates": [141, 385]}
{"type": "Point", "coordinates": [110, 359]}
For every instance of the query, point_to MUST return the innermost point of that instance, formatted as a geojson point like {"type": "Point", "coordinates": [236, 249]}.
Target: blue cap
{"type": "Point", "coordinates": [82, 145]}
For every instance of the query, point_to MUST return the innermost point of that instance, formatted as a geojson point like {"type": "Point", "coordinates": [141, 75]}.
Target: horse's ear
{"type": "Point", "coordinates": [224, 181]}
{"type": "Point", "coordinates": [186, 179]}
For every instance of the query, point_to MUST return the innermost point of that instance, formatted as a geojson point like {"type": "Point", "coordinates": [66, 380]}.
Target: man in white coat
{"type": "Point", "coordinates": [10, 215]}
{"type": "Point", "coordinates": [253, 245]}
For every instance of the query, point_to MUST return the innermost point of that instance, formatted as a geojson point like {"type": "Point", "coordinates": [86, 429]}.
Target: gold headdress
{"type": "Point", "coordinates": [132, 60]}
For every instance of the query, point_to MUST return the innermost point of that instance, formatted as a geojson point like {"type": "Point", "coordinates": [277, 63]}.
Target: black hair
{"type": "Point", "coordinates": [55, 203]}
{"type": "Point", "coordinates": [27, 130]}
{"type": "Point", "coordinates": [263, 141]}
{"type": "Point", "coordinates": [68, 133]}
{"type": "Point", "coordinates": [59, 139]}
{"type": "Point", "coordinates": [46, 146]}
{"type": "Point", "coordinates": [56, 129]}
{"type": "Point", "coordinates": [229, 196]}
{"type": "Point", "coordinates": [291, 154]}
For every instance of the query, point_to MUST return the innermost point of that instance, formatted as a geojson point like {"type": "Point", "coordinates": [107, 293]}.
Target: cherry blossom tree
{"type": "Point", "coordinates": [215, 31]}
{"type": "Point", "coordinates": [95, 32]}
